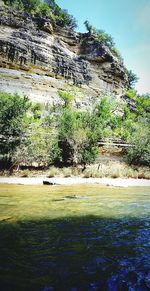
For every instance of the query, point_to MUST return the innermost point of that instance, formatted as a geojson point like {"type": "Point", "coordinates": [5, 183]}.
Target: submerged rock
{"type": "Point", "coordinates": [49, 183]}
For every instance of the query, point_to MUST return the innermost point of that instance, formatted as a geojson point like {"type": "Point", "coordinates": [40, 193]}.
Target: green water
{"type": "Point", "coordinates": [74, 238]}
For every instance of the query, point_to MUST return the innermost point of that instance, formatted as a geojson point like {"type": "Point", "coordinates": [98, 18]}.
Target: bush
{"type": "Point", "coordinates": [25, 173]}
{"type": "Point", "coordinates": [53, 172]}
{"type": "Point", "coordinates": [66, 172]}
{"type": "Point", "coordinates": [88, 173]}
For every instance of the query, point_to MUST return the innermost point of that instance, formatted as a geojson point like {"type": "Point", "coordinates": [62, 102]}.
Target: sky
{"type": "Point", "coordinates": [128, 22]}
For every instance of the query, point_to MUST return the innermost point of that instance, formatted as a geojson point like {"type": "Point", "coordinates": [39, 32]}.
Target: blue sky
{"type": "Point", "coordinates": [128, 21]}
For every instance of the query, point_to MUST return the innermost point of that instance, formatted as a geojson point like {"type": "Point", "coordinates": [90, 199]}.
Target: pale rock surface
{"type": "Point", "coordinates": [38, 58]}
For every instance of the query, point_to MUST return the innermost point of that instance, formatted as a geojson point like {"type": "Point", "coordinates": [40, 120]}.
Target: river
{"type": "Point", "coordinates": [81, 237]}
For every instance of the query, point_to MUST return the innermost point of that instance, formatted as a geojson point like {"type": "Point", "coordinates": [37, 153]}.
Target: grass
{"type": "Point", "coordinates": [9, 76]}
{"type": "Point", "coordinates": [66, 172]}
{"type": "Point", "coordinates": [53, 172]}
{"type": "Point", "coordinates": [116, 170]}
{"type": "Point", "coordinates": [109, 169]}
{"type": "Point", "coordinates": [25, 173]}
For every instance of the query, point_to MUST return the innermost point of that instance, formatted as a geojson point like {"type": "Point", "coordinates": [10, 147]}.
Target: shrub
{"type": "Point", "coordinates": [88, 173]}
{"type": "Point", "coordinates": [25, 173]}
{"type": "Point", "coordinates": [53, 171]}
{"type": "Point", "coordinates": [130, 173]}
{"type": "Point", "coordinates": [66, 172]}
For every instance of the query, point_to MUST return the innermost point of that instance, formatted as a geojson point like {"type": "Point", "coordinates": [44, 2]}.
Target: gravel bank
{"type": "Point", "coordinates": [76, 180]}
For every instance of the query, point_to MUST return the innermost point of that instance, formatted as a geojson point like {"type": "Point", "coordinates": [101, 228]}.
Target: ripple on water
{"type": "Point", "coordinates": [99, 243]}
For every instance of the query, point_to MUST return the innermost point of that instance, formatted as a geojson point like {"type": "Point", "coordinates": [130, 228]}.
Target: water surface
{"type": "Point", "coordinates": [74, 238]}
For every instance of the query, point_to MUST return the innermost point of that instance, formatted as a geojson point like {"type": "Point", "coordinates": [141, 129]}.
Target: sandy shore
{"type": "Point", "coordinates": [76, 180]}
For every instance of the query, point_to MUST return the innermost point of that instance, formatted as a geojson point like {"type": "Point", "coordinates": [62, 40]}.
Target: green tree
{"type": "Point", "coordinates": [106, 38]}
{"type": "Point", "coordinates": [89, 27]}
{"type": "Point", "coordinates": [132, 79]}
{"type": "Point", "coordinates": [31, 5]}
{"type": "Point", "coordinates": [40, 147]}
{"type": "Point", "coordinates": [117, 53]}
{"type": "Point", "coordinates": [77, 140]}
{"type": "Point", "coordinates": [139, 153]}
{"type": "Point", "coordinates": [44, 9]}
{"type": "Point", "coordinates": [17, 4]}
{"type": "Point", "coordinates": [143, 105]}
{"type": "Point", "coordinates": [13, 109]}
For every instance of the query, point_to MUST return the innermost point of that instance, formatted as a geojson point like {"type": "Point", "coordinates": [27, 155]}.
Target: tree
{"type": "Point", "coordinates": [89, 27]}
{"type": "Point", "coordinates": [13, 110]}
{"type": "Point", "coordinates": [100, 35]}
{"type": "Point", "coordinates": [143, 105]}
{"type": "Point", "coordinates": [117, 53]}
{"type": "Point", "coordinates": [132, 79]}
{"type": "Point", "coordinates": [106, 38]}
{"type": "Point", "coordinates": [64, 19]}
{"type": "Point", "coordinates": [44, 9]}
{"type": "Point", "coordinates": [40, 147]}
{"type": "Point", "coordinates": [139, 153]}
{"type": "Point", "coordinates": [17, 4]}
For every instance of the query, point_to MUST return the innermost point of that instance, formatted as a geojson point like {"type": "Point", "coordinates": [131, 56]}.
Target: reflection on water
{"type": "Point", "coordinates": [74, 238]}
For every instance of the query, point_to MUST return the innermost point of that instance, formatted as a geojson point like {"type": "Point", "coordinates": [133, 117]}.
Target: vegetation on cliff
{"type": "Point", "coordinates": [108, 41]}
{"type": "Point", "coordinates": [45, 8]}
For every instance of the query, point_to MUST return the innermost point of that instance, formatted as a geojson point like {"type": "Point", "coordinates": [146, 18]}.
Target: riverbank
{"type": "Point", "coordinates": [118, 182]}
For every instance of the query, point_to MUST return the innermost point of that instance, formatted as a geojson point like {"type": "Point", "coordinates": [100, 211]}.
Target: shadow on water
{"type": "Point", "coordinates": [75, 253]}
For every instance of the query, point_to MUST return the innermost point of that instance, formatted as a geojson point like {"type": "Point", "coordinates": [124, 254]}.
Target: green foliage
{"type": "Point", "coordinates": [101, 35]}
{"type": "Point", "coordinates": [67, 136]}
{"type": "Point", "coordinates": [105, 38]}
{"type": "Point", "coordinates": [78, 132]}
{"type": "Point", "coordinates": [31, 5]}
{"type": "Point", "coordinates": [139, 153]}
{"type": "Point", "coordinates": [16, 4]}
{"type": "Point", "coordinates": [27, 5]}
{"type": "Point", "coordinates": [13, 110]}
{"type": "Point", "coordinates": [63, 18]}
{"type": "Point", "coordinates": [132, 94]}
{"type": "Point", "coordinates": [36, 110]}
{"type": "Point", "coordinates": [46, 8]}
{"type": "Point", "coordinates": [77, 141]}
{"type": "Point", "coordinates": [143, 105]}
{"type": "Point", "coordinates": [117, 53]}
{"type": "Point", "coordinates": [132, 79]}
{"type": "Point", "coordinates": [40, 147]}
{"type": "Point", "coordinates": [89, 27]}
{"type": "Point", "coordinates": [67, 97]}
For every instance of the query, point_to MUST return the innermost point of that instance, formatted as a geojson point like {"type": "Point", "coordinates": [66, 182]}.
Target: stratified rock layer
{"type": "Point", "coordinates": [37, 58]}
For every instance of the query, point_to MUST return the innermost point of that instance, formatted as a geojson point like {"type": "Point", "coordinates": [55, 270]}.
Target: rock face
{"type": "Point", "coordinates": [37, 58]}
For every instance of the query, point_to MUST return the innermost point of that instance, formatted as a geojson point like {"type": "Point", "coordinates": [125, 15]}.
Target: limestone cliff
{"type": "Point", "coordinates": [37, 58]}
